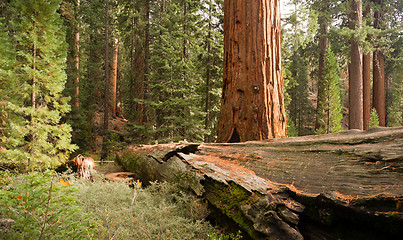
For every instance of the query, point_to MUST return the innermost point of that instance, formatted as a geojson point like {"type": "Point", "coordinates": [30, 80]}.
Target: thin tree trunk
{"type": "Point", "coordinates": [379, 72]}
{"type": "Point", "coordinates": [107, 88]}
{"type": "Point", "coordinates": [366, 75]}
{"type": "Point", "coordinates": [207, 119]}
{"type": "Point", "coordinates": [323, 44]}
{"type": "Point", "coordinates": [366, 89]}
{"type": "Point", "coordinates": [355, 70]}
{"type": "Point", "coordinates": [379, 86]}
{"type": "Point", "coordinates": [113, 78]}
{"type": "Point", "coordinates": [131, 110]}
{"type": "Point", "coordinates": [146, 64]}
{"type": "Point", "coordinates": [33, 94]}
{"type": "Point", "coordinates": [252, 104]}
{"type": "Point", "coordinates": [76, 43]}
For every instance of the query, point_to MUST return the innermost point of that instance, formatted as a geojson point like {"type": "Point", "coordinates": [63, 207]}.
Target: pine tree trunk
{"type": "Point", "coordinates": [207, 119]}
{"type": "Point", "coordinates": [252, 104]}
{"type": "Point", "coordinates": [76, 43]}
{"type": "Point", "coordinates": [145, 115]}
{"type": "Point", "coordinates": [107, 87]}
{"type": "Point", "coordinates": [113, 78]}
{"type": "Point", "coordinates": [366, 79]}
{"type": "Point", "coordinates": [323, 44]}
{"type": "Point", "coordinates": [138, 66]}
{"type": "Point", "coordinates": [355, 70]}
{"type": "Point", "coordinates": [379, 72]}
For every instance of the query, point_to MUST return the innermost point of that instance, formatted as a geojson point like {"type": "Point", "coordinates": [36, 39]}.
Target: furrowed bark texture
{"type": "Point", "coordinates": [252, 104]}
{"type": "Point", "coordinates": [355, 70]}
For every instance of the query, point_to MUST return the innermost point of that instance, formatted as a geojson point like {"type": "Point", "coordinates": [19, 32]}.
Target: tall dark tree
{"type": "Point", "coordinates": [212, 62]}
{"type": "Point", "coordinates": [329, 113]}
{"type": "Point", "coordinates": [323, 45]}
{"type": "Point", "coordinates": [35, 136]}
{"type": "Point", "coordinates": [107, 87]}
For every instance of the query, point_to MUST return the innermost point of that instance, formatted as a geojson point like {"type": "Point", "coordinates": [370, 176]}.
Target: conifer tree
{"type": "Point", "coordinates": [374, 119]}
{"type": "Point", "coordinates": [212, 62]}
{"type": "Point", "coordinates": [298, 48]}
{"type": "Point", "coordinates": [36, 138]}
{"type": "Point", "coordinates": [329, 113]}
{"type": "Point", "coordinates": [300, 108]}
{"type": "Point", "coordinates": [7, 78]}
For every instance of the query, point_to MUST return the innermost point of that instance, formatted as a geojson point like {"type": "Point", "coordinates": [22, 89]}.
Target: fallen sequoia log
{"type": "Point", "coordinates": [337, 186]}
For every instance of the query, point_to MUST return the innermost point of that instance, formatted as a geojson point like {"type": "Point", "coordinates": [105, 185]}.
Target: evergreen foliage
{"type": "Point", "coordinates": [42, 208]}
{"type": "Point", "coordinates": [374, 119]}
{"type": "Point", "coordinates": [330, 115]}
{"type": "Point", "coordinates": [174, 106]}
{"type": "Point", "coordinates": [34, 136]}
{"type": "Point", "coordinates": [301, 109]}
{"type": "Point", "coordinates": [395, 110]}
{"type": "Point", "coordinates": [298, 53]}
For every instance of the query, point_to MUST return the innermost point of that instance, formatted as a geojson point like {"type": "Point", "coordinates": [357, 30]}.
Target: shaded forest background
{"type": "Point", "coordinates": [84, 75]}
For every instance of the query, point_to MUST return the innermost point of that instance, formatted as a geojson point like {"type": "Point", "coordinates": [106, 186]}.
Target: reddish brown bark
{"type": "Point", "coordinates": [379, 86]}
{"type": "Point", "coordinates": [355, 70]}
{"type": "Point", "coordinates": [252, 104]}
{"type": "Point", "coordinates": [366, 79]}
{"type": "Point", "coordinates": [366, 75]}
{"type": "Point", "coordinates": [323, 44]}
{"type": "Point", "coordinates": [113, 78]}
{"type": "Point", "coordinates": [378, 99]}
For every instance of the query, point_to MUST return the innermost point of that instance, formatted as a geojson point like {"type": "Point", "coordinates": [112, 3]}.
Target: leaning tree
{"type": "Point", "coordinates": [252, 104]}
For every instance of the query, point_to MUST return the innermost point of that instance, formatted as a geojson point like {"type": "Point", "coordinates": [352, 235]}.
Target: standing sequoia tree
{"type": "Point", "coordinates": [252, 104]}
{"type": "Point", "coordinates": [355, 70]}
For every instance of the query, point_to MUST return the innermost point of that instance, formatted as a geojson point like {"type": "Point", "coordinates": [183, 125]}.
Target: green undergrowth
{"type": "Point", "coordinates": [59, 206]}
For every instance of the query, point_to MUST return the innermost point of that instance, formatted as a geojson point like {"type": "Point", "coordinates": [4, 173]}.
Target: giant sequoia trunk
{"type": "Point", "coordinates": [252, 104]}
{"type": "Point", "coordinates": [355, 70]}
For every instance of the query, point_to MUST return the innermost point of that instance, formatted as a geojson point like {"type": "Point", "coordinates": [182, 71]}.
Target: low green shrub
{"type": "Point", "coordinates": [40, 207]}
{"type": "Point", "coordinates": [160, 211]}
{"type": "Point", "coordinates": [59, 206]}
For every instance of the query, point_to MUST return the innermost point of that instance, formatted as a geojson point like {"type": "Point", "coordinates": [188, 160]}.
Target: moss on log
{"type": "Point", "coordinates": [345, 185]}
